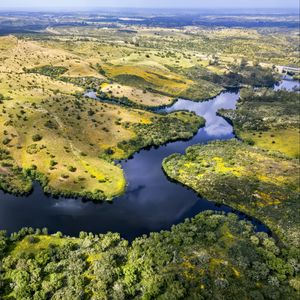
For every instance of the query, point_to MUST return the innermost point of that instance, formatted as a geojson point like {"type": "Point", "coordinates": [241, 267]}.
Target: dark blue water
{"type": "Point", "coordinates": [151, 203]}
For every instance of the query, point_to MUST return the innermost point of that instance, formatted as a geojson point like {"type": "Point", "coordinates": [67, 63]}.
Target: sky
{"type": "Point", "coordinates": [80, 4]}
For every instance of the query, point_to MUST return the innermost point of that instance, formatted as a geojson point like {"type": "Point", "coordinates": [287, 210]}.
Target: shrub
{"type": "Point", "coordinates": [6, 141]}
{"type": "Point", "coordinates": [250, 142]}
{"type": "Point", "coordinates": [32, 239]}
{"type": "Point", "coordinates": [53, 163]}
{"type": "Point", "coordinates": [36, 137]}
{"type": "Point", "coordinates": [72, 169]}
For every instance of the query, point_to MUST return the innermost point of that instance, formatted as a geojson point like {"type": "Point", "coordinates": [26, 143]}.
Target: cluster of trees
{"type": "Point", "coordinates": [237, 76]}
{"type": "Point", "coordinates": [51, 71]}
{"type": "Point", "coordinates": [264, 109]}
{"type": "Point", "coordinates": [12, 178]}
{"type": "Point", "coordinates": [201, 90]}
{"type": "Point", "coordinates": [174, 126]}
{"type": "Point", "coordinates": [89, 83]}
{"type": "Point", "coordinates": [211, 256]}
{"type": "Point", "coordinates": [123, 101]}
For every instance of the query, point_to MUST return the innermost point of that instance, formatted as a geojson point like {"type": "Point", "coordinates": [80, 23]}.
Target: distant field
{"type": "Point", "coordinates": [151, 77]}
{"type": "Point", "coordinates": [285, 140]}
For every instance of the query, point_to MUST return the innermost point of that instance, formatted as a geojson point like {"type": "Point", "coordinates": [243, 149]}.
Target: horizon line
{"type": "Point", "coordinates": [88, 9]}
{"type": "Point", "coordinates": [148, 7]}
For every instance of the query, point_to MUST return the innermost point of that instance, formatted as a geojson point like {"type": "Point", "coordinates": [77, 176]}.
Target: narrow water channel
{"type": "Point", "coordinates": [151, 202]}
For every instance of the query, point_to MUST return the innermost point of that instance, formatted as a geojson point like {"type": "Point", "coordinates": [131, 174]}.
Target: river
{"type": "Point", "coordinates": [151, 202]}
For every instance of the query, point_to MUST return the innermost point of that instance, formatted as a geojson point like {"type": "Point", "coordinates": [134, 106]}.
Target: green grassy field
{"type": "Point", "coordinates": [71, 142]}
{"type": "Point", "coordinates": [43, 78]}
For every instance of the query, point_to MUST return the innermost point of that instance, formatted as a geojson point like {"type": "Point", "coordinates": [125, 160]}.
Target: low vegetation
{"type": "Point", "coordinates": [161, 80]}
{"type": "Point", "coordinates": [12, 179]}
{"type": "Point", "coordinates": [238, 75]}
{"type": "Point", "coordinates": [176, 125]}
{"type": "Point", "coordinates": [256, 182]}
{"type": "Point", "coordinates": [48, 71]}
{"type": "Point", "coordinates": [51, 133]}
{"type": "Point", "coordinates": [134, 96]}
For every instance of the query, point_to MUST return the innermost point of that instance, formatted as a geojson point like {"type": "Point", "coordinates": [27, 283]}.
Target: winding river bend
{"type": "Point", "coordinates": [151, 203]}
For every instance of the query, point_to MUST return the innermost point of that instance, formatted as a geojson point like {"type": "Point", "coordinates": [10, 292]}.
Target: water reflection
{"type": "Point", "coordinates": [288, 83]}
{"type": "Point", "coordinates": [151, 203]}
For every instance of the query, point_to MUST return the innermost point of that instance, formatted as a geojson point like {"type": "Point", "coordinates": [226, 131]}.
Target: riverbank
{"type": "Point", "coordinates": [151, 203]}
{"type": "Point", "coordinates": [258, 183]}
{"type": "Point", "coordinates": [211, 255]}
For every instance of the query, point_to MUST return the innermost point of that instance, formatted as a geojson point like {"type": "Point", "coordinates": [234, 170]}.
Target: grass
{"type": "Point", "coordinates": [286, 141]}
{"type": "Point", "coordinates": [135, 95]}
{"type": "Point", "coordinates": [157, 58]}
{"type": "Point", "coordinates": [267, 119]}
{"type": "Point", "coordinates": [79, 143]}
{"type": "Point", "coordinates": [33, 244]}
{"type": "Point", "coordinates": [183, 48]}
{"type": "Point", "coordinates": [11, 177]}
{"type": "Point", "coordinates": [158, 79]}
{"type": "Point", "coordinates": [42, 78]}
{"type": "Point", "coordinates": [55, 135]}
{"type": "Point", "coordinates": [49, 132]}
{"type": "Point", "coordinates": [18, 54]}
{"type": "Point", "coordinates": [256, 182]}
{"type": "Point", "coordinates": [154, 77]}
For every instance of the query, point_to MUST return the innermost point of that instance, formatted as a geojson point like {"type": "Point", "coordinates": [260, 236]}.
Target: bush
{"type": "Point", "coordinates": [6, 141]}
{"type": "Point", "coordinates": [250, 142]}
{"type": "Point", "coordinates": [36, 137]}
{"type": "Point", "coordinates": [53, 163]}
{"type": "Point", "coordinates": [32, 239]}
{"type": "Point", "coordinates": [72, 169]}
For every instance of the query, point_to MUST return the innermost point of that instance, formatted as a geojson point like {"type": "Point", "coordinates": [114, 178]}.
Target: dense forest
{"type": "Point", "coordinates": [214, 255]}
